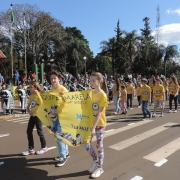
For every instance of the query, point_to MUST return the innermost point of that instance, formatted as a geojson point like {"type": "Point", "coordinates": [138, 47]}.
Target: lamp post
{"type": "Point", "coordinates": [85, 64]}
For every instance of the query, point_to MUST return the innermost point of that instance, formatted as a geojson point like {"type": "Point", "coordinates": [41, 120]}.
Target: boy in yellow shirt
{"type": "Point", "coordinates": [159, 97]}
{"type": "Point", "coordinates": [145, 97]}
{"type": "Point", "coordinates": [130, 94]}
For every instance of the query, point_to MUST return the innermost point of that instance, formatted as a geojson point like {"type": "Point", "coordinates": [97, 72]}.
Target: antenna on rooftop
{"type": "Point", "coordinates": [158, 35]}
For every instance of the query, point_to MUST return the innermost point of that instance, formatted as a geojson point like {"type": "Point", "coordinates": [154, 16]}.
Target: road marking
{"type": "Point", "coordinates": [17, 119]}
{"type": "Point", "coordinates": [131, 124]}
{"type": "Point", "coordinates": [109, 130]}
{"type": "Point", "coordinates": [109, 117]}
{"type": "Point", "coordinates": [140, 137]}
{"type": "Point", "coordinates": [160, 163]}
{"type": "Point", "coordinates": [3, 135]}
{"type": "Point", "coordinates": [50, 148]}
{"type": "Point", "coordinates": [24, 122]}
{"type": "Point", "coordinates": [21, 120]}
{"type": "Point", "coordinates": [137, 178]}
{"type": "Point", "coordinates": [1, 163]}
{"type": "Point", "coordinates": [164, 151]}
{"type": "Point", "coordinates": [124, 129]}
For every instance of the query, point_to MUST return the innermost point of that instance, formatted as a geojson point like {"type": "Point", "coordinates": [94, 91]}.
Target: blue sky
{"type": "Point", "coordinates": [97, 19]}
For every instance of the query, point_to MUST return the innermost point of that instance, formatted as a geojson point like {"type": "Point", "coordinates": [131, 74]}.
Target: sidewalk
{"type": "Point", "coordinates": [17, 112]}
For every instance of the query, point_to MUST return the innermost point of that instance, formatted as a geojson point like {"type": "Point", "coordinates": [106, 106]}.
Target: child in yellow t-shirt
{"type": "Point", "coordinates": [99, 100]}
{"type": "Point", "coordinates": [145, 97]}
{"type": "Point", "coordinates": [130, 94]}
{"type": "Point", "coordinates": [34, 102]}
{"type": "Point", "coordinates": [123, 99]}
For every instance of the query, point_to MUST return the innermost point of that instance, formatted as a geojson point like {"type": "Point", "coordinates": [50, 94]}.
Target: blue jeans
{"type": "Point", "coordinates": [116, 103]}
{"type": "Point", "coordinates": [145, 108]}
{"type": "Point", "coordinates": [62, 148]}
{"type": "Point", "coordinates": [129, 100]}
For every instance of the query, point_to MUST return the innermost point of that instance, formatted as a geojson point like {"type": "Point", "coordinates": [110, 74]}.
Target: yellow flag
{"type": "Point", "coordinates": [69, 116]}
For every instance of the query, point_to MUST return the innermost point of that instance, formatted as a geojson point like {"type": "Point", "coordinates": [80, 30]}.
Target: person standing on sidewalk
{"type": "Point", "coordinates": [33, 101]}
{"type": "Point", "coordinates": [58, 89]}
{"type": "Point", "coordinates": [145, 97]}
{"type": "Point", "coordinates": [159, 97]}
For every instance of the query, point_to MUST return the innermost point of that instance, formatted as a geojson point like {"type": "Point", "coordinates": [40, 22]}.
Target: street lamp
{"type": "Point", "coordinates": [85, 63]}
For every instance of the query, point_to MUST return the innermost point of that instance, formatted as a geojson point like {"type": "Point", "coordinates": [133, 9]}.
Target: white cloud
{"type": "Point", "coordinates": [170, 33]}
{"type": "Point", "coordinates": [175, 11]}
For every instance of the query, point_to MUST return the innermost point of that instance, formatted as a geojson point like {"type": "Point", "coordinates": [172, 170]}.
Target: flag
{"type": "Point", "coordinates": [12, 15]}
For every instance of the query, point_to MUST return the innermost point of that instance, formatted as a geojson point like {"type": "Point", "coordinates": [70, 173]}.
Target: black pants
{"type": "Point", "coordinates": [139, 100]}
{"type": "Point", "coordinates": [171, 98]}
{"type": "Point", "coordinates": [129, 100]}
{"type": "Point", "coordinates": [34, 120]}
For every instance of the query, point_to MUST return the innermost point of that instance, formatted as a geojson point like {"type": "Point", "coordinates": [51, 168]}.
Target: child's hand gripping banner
{"type": "Point", "coordinates": [69, 117]}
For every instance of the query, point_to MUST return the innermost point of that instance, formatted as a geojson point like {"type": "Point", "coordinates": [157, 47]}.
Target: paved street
{"type": "Point", "coordinates": [134, 150]}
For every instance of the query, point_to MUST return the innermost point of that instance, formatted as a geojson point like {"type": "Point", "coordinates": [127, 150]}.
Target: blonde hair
{"type": "Point", "coordinates": [102, 80]}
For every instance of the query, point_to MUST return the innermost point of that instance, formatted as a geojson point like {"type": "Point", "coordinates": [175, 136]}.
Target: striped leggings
{"type": "Point", "coordinates": [99, 136]}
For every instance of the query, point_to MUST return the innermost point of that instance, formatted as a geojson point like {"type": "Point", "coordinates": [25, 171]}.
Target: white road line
{"type": "Point", "coordinates": [137, 178]}
{"type": "Point", "coordinates": [24, 122]}
{"type": "Point", "coordinates": [160, 163]}
{"type": "Point", "coordinates": [109, 117]}
{"type": "Point", "coordinates": [21, 120]}
{"type": "Point", "coordinates": [1, 163]}
{"type": "Point", "coordinates": [124, 129]}
{"type": "Point", "coordinates": [140, 137]}
{"type": "Point", "coordinates": [131, 124]}
{"type": "Point", "coordinates": [17, 119]}
{"type": "Point", "coordinates": [164, 151]}
{"type": "Point", "coordinates": [109, 130]}
{"type": "Point", "coordinates": [3, 135]}
{"type": "Point", "coordinates": [50, 148]}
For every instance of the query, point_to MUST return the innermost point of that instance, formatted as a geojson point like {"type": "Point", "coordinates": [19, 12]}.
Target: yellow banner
{"type": "Point", "coordinates": [73, 112]}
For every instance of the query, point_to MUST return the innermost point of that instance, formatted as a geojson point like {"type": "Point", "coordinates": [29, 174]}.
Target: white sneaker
{"type": "Point", "coordinates": [42, 151]}
{"type": "Point", "coordinates": [93, 167]}
{"type": "Point", "coordinates": [97, 173]}
{"type": "Point", "coordinates": [29, 151]}
{"type": "Point", "coordinates": [139, 106]}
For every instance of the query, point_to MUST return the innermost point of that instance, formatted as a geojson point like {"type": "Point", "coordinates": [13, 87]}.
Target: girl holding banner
{"type": "Point", "coordinates": [34, 102]}
{"type": "Point", "coordinates": [99, 104]}
{"type": "Point", "coordinates": [58, 89]}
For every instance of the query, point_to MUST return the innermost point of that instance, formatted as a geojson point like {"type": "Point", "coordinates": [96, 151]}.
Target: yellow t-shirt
{"type": "Point", "coordinates": [158, 92]}
{"type": "Point", "coordinates": [35, 101]}
{"type": "Point", "coordinates": [151, 84]}
{"type": "Point", "coordinates": [123, 94]}
{"type": "Point", "coordinates": [145, 93]}
{"type": "Point", "coordinates": [138, 91]}
{"type": "Point", "coordinates": [59, 89]}
{"type": "Point", "coordinates": [115, 91]}
{"type": "Point", "coordinates": [99, 100]}
{"type": "Point", "coordinates": [130, 89]}
{"type": "Point", "coordinates": [173, 88]}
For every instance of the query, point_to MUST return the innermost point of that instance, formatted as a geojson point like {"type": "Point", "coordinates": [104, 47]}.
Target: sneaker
{"type": "Point", "coordinates": [62, 161]}
{"type": "Point", "coordinates": [170, 111]}
{"type": "Point", "coordinates": [139, 106]}
{"type": "Point", "coordinates": [154, 115]}
{"type": "Point", "coordinates": [29, 151]}
{"type": "Point", "coordinates": [92, 167]}
{"type": "Point", "coordinates": [115, 113]}
{"type": "Point", "coordinates": [144, 119]}
{"type": "Point", "coordinates": [97, 173]}
{"type": "Point", "coordinates": [58, 157]}
{"type": "Point", "coordinates": [42, 151]}
{"type": "Point", "coordinates": [150, 116]}
{"type": "Point", "coordinates": [131, 108]}
{"type": "Point", "coordinates": [123, 113]}
{"type": "Point", "coordinates": [161, 115]}
{"type": "Point", "coordinates": [175, 111]}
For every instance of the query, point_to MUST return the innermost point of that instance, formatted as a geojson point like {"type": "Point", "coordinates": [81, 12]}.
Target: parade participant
{"type": "Point", "coordinates": [159, 97]}
{"type": "Point", "coordinates": [99, 100]}
{"type": "Point", "coordinates": [138, 93]}
{"type": "Point", "coordinates": [130, 94]}
{"type": "Point", "coordinates": [123, 99]}
{"type": "Point", "coordinates": [116, 94]}
{"type": "Point", "coordinates": [33, 101]}
{"type": "Point", "coordinates": [145, 97]}
{"type": "Point", "coordinates": [8, 100]}
{"type": "Point", "coordinates": [55, 78]}
{"type": "Point", "coordinates": [179, 92]}
{"type": "Point", "coordinates": [173, 93]}
{"type": "Point", "coordinates": [22, 98]}
{"type": "Point", "coordinates": [2, 99]}
{"type": "Point", "coordinates": [151, 85]}
{"type": "Point", "coordinates": [165, 84]}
